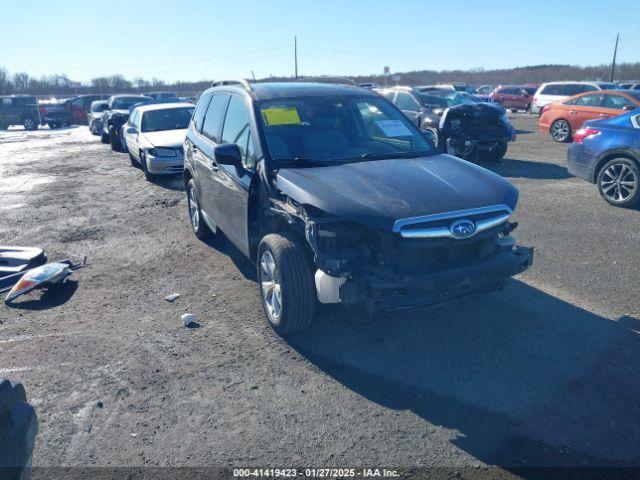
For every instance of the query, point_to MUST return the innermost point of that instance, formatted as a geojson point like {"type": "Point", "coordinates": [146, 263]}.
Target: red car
{"type": "Point", "coordinates": [514, 97]}
{"type": "Point", "coordinates": [565, 117]}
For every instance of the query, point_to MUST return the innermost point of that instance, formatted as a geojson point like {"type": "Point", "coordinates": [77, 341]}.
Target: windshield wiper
{"type": "Point", "coordinates": [306, 161]}
{"type": "Point", "coordinates": [383, 156]}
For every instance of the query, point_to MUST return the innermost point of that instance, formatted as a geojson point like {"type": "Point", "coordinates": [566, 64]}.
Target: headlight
{"type": "Point", "coordinates": [162, 152]}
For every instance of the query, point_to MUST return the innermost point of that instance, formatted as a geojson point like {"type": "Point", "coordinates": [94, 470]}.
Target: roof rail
{"type": "Point", "coordinates": [233, 81]}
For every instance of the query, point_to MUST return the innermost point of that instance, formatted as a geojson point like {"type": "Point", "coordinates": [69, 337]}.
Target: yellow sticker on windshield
{"type": "Point", "coordinates": [281, 116]}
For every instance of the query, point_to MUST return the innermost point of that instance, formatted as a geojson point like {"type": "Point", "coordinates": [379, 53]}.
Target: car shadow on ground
{"type": "Point", "coordinates": [170, 182]}
{"type": "Point", "coordinates": [45, 299]}
{"type": "Point", "coordinates": [223, 245]}
{"type": "Point", "coordinates": [524, 132]}
{"type": "Point", "coordinates": [511, 167]}
{"type": "Point", "coordinates": [521, 377]}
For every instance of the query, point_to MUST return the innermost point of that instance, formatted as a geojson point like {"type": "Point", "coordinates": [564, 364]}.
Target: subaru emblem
{"type": "Point", "coordinates": [462, 228]}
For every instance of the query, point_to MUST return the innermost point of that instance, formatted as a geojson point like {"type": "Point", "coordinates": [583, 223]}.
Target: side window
{"type": "Point", "coordinates": [78, 102]}
{"type": "Point", "coordinates": [588, 88]}
{"type": "Point", "coordinates": [617, 102]}
{"type": "Point", "coordinates": [406, 102]}
{"type": "Point", "coordinates": [201, 109]}
{"type": "Point", "coordinates": [236, 126]}
{"type": "Point", "coordinates": [132, 118]}
{"type": "Point", "coordinates": [214, 116]}
{"type": "Point", "coordinates": [6, 101]}
{"type": "Point", "coordinates": [588, 101]}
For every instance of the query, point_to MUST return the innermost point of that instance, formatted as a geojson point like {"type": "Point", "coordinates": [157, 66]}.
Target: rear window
{"type": "Point", "coordinates": [125, 103]}
{"type": "Point", "coordinates": [564, 89]}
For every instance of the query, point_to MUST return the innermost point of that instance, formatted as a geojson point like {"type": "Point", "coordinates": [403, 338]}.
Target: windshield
{"type": "Point", "coordinates": [166, 119]}
{"type": "Point", "coordinates": [330, 129]}
{"type": "Point", "coordinates": [447, 98]}
{"type": "Point", "coordinates": [124, 103]}
{"type": "Point", "coordinates": [530, 90]}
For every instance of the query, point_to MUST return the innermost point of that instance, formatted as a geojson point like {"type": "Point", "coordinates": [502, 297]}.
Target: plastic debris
{"type": "Point", "coordinates": [188, 319]}
{"type": "Point", "coordinates": [171, 297]}
{"type": "Point", "coordinates": [44, 276]}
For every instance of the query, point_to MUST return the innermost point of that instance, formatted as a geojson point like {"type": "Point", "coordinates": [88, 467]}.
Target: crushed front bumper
{"type": "Point", "coordinates": [432, 288]}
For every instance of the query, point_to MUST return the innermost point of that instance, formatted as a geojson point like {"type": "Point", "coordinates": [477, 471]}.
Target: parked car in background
{"type": "Point", "coordinates": [458, 122]}
{"type": "Point", "coordinates": [562, 119]}
{"type": "Point", "coordinates": [154, 136]}
{"type": "Point", "coordinates": [19, 110]}
{"type": "Point", "coordinates": [55, 113]}
{"type": "Point", "coordinates": [340, 199]}
{"type": "Point", "coordinates": [607, 153]}
{"type": "Point", "coordinates": [555, 91]}
{"type": "Point", "coordinates": [94, 116]}
{"type": "Point", "coordinates": [79, 107]}
{"type": "Point", "coordinates": [513, 97]}
{"type": "Point", "coordinates": [116, 115]}
{"type": "Point", "coordinates": [162, 95]}
{"type": "Point", "coordinates": [459, 87]}
{"type": "Point", "coordinates": [629, 86]}
{"type": "Point", "coordinates": [484, 89]}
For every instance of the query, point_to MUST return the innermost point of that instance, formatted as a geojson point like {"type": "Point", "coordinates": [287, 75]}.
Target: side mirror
{"type": "Point", "coordinates": [629, 107]}
{"type": "Point", "coordinates": [228, 154]}
{"type": "Point", "coordinates": [131, 130]}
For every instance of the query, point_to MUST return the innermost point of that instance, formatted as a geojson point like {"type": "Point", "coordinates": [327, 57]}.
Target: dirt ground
{"type": "Point", "coordinates": [544, 372]}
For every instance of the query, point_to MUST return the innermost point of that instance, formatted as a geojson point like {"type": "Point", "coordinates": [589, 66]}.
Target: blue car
{"type": "Point", "coordinates": [607, 153]}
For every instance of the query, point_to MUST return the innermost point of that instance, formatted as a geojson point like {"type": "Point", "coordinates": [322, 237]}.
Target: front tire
{"type": "Point", "coordinates": [496, 154]}
{"type": "Point", "coordinates": [619, 182]}
{"type": "Point", "coordinates": [104, 138]}
{"type": "Point", "coordinates": [198, 225]}
{"type": "Point", "coordinates": [561, 131]}
{"type": "Point", "coordinates": [285, 281]}
{"type": "Point", "coordinates": [114, 140]}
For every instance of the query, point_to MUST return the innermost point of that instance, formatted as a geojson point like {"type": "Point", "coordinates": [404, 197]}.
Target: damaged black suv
{"type": "Point", "coordinates": [340, 199]}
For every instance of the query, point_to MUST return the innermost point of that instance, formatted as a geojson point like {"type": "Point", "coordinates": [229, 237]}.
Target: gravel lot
{"type": "Point", "coordinates": [544, 372]}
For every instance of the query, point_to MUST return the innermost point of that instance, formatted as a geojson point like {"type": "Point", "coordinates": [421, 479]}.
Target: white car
{"type": "Point", "coordinates": [552, 92]}
{"type": "Point", "coordinates": [154, 135]}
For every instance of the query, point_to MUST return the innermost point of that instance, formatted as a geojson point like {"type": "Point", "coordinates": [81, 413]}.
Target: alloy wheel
{"type": "Point", "coordinates": [271, 289]}
{"type": "Point", "coordinates": [28, 124]}
{"type": "Point", "coordinates": [194, 214]}
{"type": "Point", "coordinates": [618, 182]}
{"type": "Point", "coordinates": [560, 130]}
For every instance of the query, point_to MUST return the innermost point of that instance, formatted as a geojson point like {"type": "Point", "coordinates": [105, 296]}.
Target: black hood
{"type": "Point", "coordinates": [377, 193]}
{"type": "Point", "coordinates": [477, 111]}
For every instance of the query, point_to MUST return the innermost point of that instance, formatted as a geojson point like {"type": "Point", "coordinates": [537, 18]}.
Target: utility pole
{"type": "Point", "coordinates": [613, 64]}
{"type": "Point", "coordinates": [295, 54]}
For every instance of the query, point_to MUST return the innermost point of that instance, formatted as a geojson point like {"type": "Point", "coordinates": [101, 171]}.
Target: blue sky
{"type": "Point", "coordinates": [200, 39]}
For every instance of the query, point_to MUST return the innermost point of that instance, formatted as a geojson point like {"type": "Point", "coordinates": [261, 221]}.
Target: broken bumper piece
{"type": "Point", "coordinates": [404, 292]}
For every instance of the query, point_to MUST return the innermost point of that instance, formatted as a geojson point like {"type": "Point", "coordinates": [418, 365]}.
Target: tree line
{"type": "Point", "coordinates": [61, 84]}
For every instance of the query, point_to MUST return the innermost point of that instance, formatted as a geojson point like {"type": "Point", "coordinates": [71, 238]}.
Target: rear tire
{"type": "Point", "coordinates": [30, 124]}
{"type": "Point", "coordinates": [285, 281]}
{"type": "Point", "coordinates": [561, 131]}
{"type": "Point", "coordinates": [619, 182]}
{"type": "Point", "coordinates": [200, 228]}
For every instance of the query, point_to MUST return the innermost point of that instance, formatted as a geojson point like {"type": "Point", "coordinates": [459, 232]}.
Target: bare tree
{"type": "Point", "coordinates": [21, 82]}
{"type": "Point", "coordinates": [5, 83]}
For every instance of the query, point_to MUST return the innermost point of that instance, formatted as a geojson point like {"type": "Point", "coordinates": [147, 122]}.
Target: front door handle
{"type": "Point", "coordinates": [603, 115]}
{"type": "Point", "coordinates": [573, 112]}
